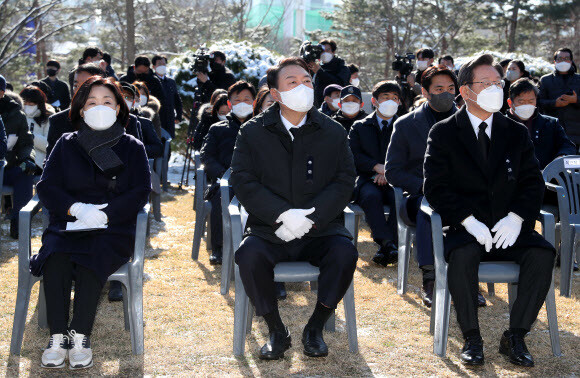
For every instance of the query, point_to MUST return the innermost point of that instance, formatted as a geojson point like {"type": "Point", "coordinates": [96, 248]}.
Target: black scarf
{"type": "Point", "coordinates": [97, 144]}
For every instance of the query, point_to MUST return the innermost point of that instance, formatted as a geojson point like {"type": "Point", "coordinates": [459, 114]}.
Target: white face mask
{"type": "Point", "coordinates": [388, 108]}
{"type": "Point", "coordinates": [100, 117]}
{"type": "Point", "coordinates": [326, 57]}
{"type": "Point", "coordinates": [563, 66]}
{"type": "Point", "coordinates": [142, 100]}
{"type": "Point", "coordinates": [422, 65]}
{"type": "Point", "coordinates": [490, 99]}
{"type": "Point", "coordinates": [300, 98]}
{"type": "Point", "coordinates": [355, 81]}
{"type": "Point", "coordinates": [222, 117]}
{"type": "Point", "coordinates": [242, 110]}
{"type": "Point", "coordinates": [161, 70]}
{"type": "Point", "coordinates": [335, 102]}
{"type": "Point", "coordinates": [129, 104]}
{"type": "Point", "coordinates": [524, 112]}
{"type": "Point", "coordinates": [350, 108]}
{"type": "Point", "coordinates": [512, 75]}
{"type": "Point", "coordinates": [31, 111]}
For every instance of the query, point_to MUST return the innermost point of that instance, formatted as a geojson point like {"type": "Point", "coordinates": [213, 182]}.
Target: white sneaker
{"type": "Point", "coordinates": [80, 354]}
{"type": "Point", "coordinates": [56, 352]}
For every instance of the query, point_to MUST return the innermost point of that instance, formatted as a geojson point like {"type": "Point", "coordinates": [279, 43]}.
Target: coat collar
{"type": "Point", "coordinates": [271, 120]}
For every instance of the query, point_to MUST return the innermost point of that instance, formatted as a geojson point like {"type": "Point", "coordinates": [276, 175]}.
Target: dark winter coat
{"type": "Point", "coordinates": [15, 124]}
{"type": "Point", "coordinates": [553, 86]}
{"type": "Point", "coordinates": [221, 78]}
{"type": "Point", "coordinates": [61, 91]}
{"type": "Point", "coordinates": [348, 122]}
{"type": "Point", "coordinates": [325, 109]}
{"type": "Point", "coordinates": [333, 72]}
{"type": "Point", "coordinates": [173, 104]}
{"type": "Point", "coordinates": [218, 147]}
{"type": "Point", "coordinates": [205, 122]}
{"type": "Point", "coordinates": [2, 140]}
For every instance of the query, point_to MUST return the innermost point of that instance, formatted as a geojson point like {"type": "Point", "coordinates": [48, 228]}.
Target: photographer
{"type": "Point", "coordinates": [219, 76]}
{"type": "Point", "coordinates": [333, 70]}
{"type": "Point", "coordinates": [405, 77]}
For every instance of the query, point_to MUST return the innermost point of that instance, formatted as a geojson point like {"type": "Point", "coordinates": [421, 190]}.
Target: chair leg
{"type": "Point", "coordinates": [356, 224]}
{"type": "Point", "coordinates": [126, 316]}
{"type": "Point", "coordinates": [314, 286]}
{"type": "Point", "coordinates": [330, 324]}
{"type": "Point", "coordinates": [208, 230]}
{"type": "Point", "coordinates": [156, 202]}
{"type": "Point", "coordinates": [136, 304]}
{"type": "Point", "coordinates": [490, 289]}
{"type": "Point", "coordinates": [249, 318]}
{"type": "Point", "coordinates": [227, 261]}
{"type": "Point", "coordinates": [20, 311]}
{"type": "Point", "coordinates": [241, 303]}
{"type": "Point", "coordinates": [433, 312]}
{"type": "Point", "coordinates": [442, 312]}
{"type": "Point", "coordinates": [553, 320]}
{"type": "Point", "coordinates": [350, 317]}
{"type": "Point", "coordinates": [570, 240]}
{"type": "Point", "coordinates": [198, 232]}
{"type": "Point", "coordinates": [41, 306]}
{"type": "Point", "coordinates": [512, 294]}
{"type": "Point", "coordinates": [403, 263]}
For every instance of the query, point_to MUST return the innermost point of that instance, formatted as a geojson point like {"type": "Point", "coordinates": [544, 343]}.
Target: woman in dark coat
{"type": "Point", "coordinates": [94, 182]}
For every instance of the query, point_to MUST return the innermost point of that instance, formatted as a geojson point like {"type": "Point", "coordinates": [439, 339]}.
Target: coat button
{"type": "Point", "coordinates": [309, 172]}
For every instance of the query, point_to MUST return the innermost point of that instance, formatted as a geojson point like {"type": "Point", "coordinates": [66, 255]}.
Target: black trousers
{"type": "Point", "coordinates": [422, 231]}
{"type": "Point", "coordinates": [215, 222]}
{"type": "Point", "coordinates": [335, 255]}
{"type": "Point", "coordinates": [536, 266]}
{"type": "Point", "coordinates": [59, 272]}
{"type": "Point", "coordinates": [371, 199]}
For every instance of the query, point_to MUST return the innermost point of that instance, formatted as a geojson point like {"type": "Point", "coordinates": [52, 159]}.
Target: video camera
{"type": "Point", "coordinates": [310, 52]}
{"type": "Point", "coordinates": [404, 65]}
{"type": "Point", "coordinates": [202, 60]}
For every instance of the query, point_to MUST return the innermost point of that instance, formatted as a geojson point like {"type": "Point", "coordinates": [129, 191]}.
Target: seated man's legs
{"type": "Point", "coordinates": [371, 199]}
{"type": "Point", "coordinates": [22, 184]}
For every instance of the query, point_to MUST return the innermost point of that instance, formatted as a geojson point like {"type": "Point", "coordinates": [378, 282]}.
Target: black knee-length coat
{"type": "Point", "coordinates": [71, 176]}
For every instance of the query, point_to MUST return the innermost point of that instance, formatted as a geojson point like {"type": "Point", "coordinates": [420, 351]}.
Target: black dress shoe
{"type": "Point", "coordinates": [514, 347]}
{"type": "Point", "coordinates": [314, 345]}
{"type": "Point", "coordinates": [115, 292]}
{"type": "Point", "coordinates": [472, 352]}
{"type": "Point", "coordinates": [387, 254]}
{"type": "Point", "coordinates": [481, 302]}
{"type": "Point", "coordinates": [280, 291]}
{"type": "Point", "coordinates": [279, 343]}
{"type": "Point", "coordinates": [216, 257]}
{"type": "Point", "coordinates": [427, 293]}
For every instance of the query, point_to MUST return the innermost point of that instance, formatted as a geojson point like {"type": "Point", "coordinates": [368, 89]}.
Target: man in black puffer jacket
{"type": "Point", "coordinates": [333, 70]}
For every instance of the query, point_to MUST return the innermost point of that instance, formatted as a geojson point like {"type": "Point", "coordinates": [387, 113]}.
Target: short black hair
{"type": "Point", "coordinates": [445, 57]}
{"type": "Point", "coordinates": [329, 42]}
{"type": "Point", "coordinates": [107, 58]}
{"type": "Point", "coordinates": [158, 57]}
{"type": "Point", "coordinates": [53, 63]}
{"type": "Point", "coordinates": [386, 86]}
{"type": "Point", "coordinates": [218, 54]}
{"type": "Point", "coordinates": [91, 52]}
{"type": "Point", "coordinates": [353, 68]}
{"type": "Point", "coordinates": [523, 85]}
{"type": "Point", "coordinates": [274, 72]}
{"type": "Point", "coordinates": [431, 72]}
{"type": "Point", "coordinates": [90, 68]}
{"type": "Point", "coordinates": [564, 49]}
{"type": "Point", "coordinates": [142, 60]}
{"type": "Point", "coordinates": [425, 53]}
{"type": "Point", "coordinates": [129, 87]}
{"type": "Point", "coordinates": [239, 86]}
{"type": "Point", "coordinates": [466, 72]}
{"type": "Point", "coordinates": [505, 62]}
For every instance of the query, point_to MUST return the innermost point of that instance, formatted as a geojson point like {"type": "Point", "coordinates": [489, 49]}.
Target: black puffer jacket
{"type": "Point", "coordinates": [218, 147]}
{"type": "Point", "coordinates": [333, 72]}
{"type": "Point", "coordinates": [16, 129]}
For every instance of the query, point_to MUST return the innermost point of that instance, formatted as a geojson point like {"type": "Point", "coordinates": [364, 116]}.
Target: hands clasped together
{"type": "Point", "coordinates": [89, 215]}
{"type": "Point", "coordinates": [295, 224]}
{"type": "Point", "coordinates": [506, 231]}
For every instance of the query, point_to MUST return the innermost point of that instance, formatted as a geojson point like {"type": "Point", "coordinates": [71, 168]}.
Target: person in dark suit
{"type": "Point", "coordinates": [331, 96]}
{"type": "Point", "coordinates": [173, 100]}
{"type": "Point", "coordinates": [482, 177]}
{"type": "Point", "coordinates": [368, 140]}
{"type": "Point", "coordinates": [293, 172]}
{"type": "Point", "coordinates": [95, 181]}
{"type": "Point", "coordinates": [216, 155]}
{"type": "Point", "coordinates": [351, 107]}
{"type": "Point", "coordinates": [59, 88]}
{"type": "Point", "coordinates": [549, 138]}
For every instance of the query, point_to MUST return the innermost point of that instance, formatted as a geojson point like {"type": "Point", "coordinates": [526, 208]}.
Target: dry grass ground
{"type": "Point", "coordinates": [188, 324]}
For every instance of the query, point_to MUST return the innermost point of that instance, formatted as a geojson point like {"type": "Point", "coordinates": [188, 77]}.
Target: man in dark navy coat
{"type": "Point", "coordinates": [172, 98]}
{"type": "Point", "coordinates": [482, 177]}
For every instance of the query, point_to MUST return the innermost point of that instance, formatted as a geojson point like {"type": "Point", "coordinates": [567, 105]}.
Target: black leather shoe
{"type": "Point", "coordinates": [481, 302]}
{"type": "Point", "coordinates": [472, 352]}
{"type": "Point", "coordinates": [280, 291]}
{"type": "Point", "coordinates": [514, 347]}
{"type": "Point", "coordinates": [216, 257]}
{"type": "Point", "coordinates": [115, 292]}
{"type": "Point", "coordinates": [314, 345]}
{"type": "Point", "coordinates": [388, 254]}
{"type": "Point", "coordinates": [279, 343]}
{"type": "Point", "coordinates": [427, 293]}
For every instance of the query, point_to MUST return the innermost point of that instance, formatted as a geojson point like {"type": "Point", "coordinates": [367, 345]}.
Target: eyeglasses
{"type": "Point", "coordinates": [487, 84]}
{"type": "Point", "coordinates": [563, 59]}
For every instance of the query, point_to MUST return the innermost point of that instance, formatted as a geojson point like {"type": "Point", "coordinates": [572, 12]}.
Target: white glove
{"type": "Point", "coordinates": [284, 233]}
{"type": "Point", "coordinates": [507, 230]}
{"type": "Point", "coordinates": [479, 231]}
{"type": "Point", "coordinates": [89, 214]}
{"type": "Point", "coordinates": [296, 221]}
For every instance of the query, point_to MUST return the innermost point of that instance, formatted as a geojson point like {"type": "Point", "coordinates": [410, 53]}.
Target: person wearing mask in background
{"type": "Point", "coordinates": [59, 88]}
{"type": "Point", "coordinates": [214, 112]}
{"type": "Point", "coordinates": [96, 180]}
{"type": "Point", "coordinates": [448, 62]}
{"type": "Point", "coordinates": [354, 72]}
{"type": "Point", "coordinates": [331, 102]}
{"type": "Point", "coordinates": [559, 91]}
{"type": "Point", "coordinates": [51, 99]}
{"type": "Point", "coordinates": [219, 76]}
{"type": "Point", "coordinates": [149, 106]}
{"type": "Point", "coordinates": [425, 58]}
{"type": "Point", "coordinates": [37, 115]}
{"type": "Point", "coordinates": [216, 155]}
{"type": "Point", "coordinates": [18, 147]}
{"type": "Point", "coordinates": [174, 105]}
{"type": "Point", "coordinates": [331, 70]}
{"type": "Point", "coordinates": [351, 107]}
{"type": "Point", "coordinates": [293, 172]}
{"type": "Point", "coordinates": [368, 140]}
{"type": "Point", "coordinates": [515, 70]}
{"type": "Point", "coordinates": [60, 122]}
{"type": "Point", "coordinates": [504, 65]}
{"type": "Point", "coordinates": [109, 71]}
{"type": "Point", "coordinates": [90, 55]}
{"type": "Point", "coordinates": [263, 101]}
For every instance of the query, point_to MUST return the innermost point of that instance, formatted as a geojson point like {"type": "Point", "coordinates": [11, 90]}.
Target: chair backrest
{"type": "Point", "coordinates": [566, 171]}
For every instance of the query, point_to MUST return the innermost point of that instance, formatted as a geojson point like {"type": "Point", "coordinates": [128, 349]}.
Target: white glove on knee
{"type": "Point", "coordinates": [507, 230]}
{"type": "Point", "coordinates": [296, 221]}
{"type": "Point", "coordinates": [284, 233]}
{"type": "Point", "coordinates": [479, 231]}
{"type": "Point", "coordinates": [89, 214]}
